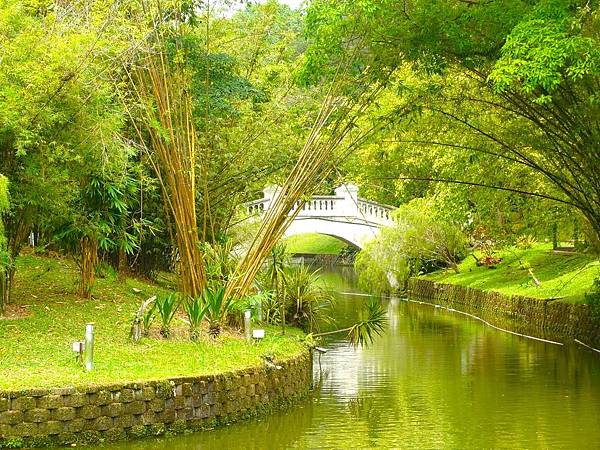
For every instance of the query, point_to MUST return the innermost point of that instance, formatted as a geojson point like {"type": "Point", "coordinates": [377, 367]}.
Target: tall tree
{"type": "Point", "coordinates": [532, 66]}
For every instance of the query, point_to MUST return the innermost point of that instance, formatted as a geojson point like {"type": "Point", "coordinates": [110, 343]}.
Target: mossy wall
{"type": "Point", "coordinates": [52, 417]}
{"type": "Point", "coordinates": [544, 318]}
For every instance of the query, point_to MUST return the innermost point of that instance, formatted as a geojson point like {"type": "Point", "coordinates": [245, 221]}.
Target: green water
{"type": "Point", "coordinates": [435, 380]}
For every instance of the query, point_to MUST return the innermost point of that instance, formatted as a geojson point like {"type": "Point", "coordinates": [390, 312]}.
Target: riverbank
{"type": "Point", "coordinates": [39, 376]}
{"type": "Point", "coordinates": [564, 276]}
{"type": "Point", "coordinates": [48, 316]}
{"type": "Point", "coordinates": [545, 319]}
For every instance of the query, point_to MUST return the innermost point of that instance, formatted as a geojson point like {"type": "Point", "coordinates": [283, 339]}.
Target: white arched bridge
{"type": "Point", "coordinates": [343, 215]}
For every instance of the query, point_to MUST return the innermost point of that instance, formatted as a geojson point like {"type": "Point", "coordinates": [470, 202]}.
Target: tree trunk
{"type": "Point", "coordinates": [89, 260]}
{"type": "Point", "coordinates": [121, 264]}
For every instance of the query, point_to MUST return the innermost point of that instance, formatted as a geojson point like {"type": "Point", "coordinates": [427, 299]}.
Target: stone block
{"type": "Point", "coordinates": [157, 405]}
{"type": "Point", "coordinates": [25, 429]}
{"type": "Point", "coordinates": [115, 409]}
{"type": "Point", "coordinates": [89, 412]}
{"type": "Point", "coordinates": [115, 434]}
{"type": "Point", "coordinates": [202, 412]}
{"type": "Point", "coordinates": [178, 402]}
{"type": "Point", "coordinates": [76, 425]}
{"type": "Point", "coordinates": [63, 414]}
{"type": "Point", "coordinates": [50, 401]}
{"type": "Point", "coordinates": [76, 400]}
{"type": "Point", "coordinates": [104, 397]}
{"type": "Point", "coordinates": [149, 417]}
{"type": "Point", "coordinates": [209, 399]}
{"type": "Point", "coordinates": [149, 393]}
{"type": "Point", "coordinates": [204, 387]}
{"type": "Point", "coordinates": [23, 403]}
{"type": "Point", "coordinates": [11, 417]}
{"type": "Point", "coordinates": [138, 394]}
{"type": "Point", "coordinates": [4, 402]}
{"type": "Point", "coordinates": [124, 421]}
{"type": "Point", "coordinates": [50, 428]}
{"type": "Point", "coordinates": [136, 407]}
{"type": "Point", "coordinates": [185, 413]}
{"type": "Point", "coordinates": [37, 415]}
{"type": "Point", "coordinates": [5, 431]}
{"type": "Point", "coordinates": [103, 423]}
{"type": "Point", "coordinates": [186, 389]}
{"type": "Point", "coordinates": [167, 416]}
{"type": "Point", "coordinates": [127, 396]}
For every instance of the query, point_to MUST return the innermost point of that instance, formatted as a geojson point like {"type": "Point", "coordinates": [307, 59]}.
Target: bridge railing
{"type": "Point", "coordinates": [347, 205]}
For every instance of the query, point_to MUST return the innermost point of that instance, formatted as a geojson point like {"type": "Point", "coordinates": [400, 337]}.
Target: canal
{"type": "Point", "coordinates": [436, 379]}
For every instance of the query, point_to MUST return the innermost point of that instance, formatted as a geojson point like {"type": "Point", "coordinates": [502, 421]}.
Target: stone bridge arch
{"type": "Point", "coordinates": [343, 215]}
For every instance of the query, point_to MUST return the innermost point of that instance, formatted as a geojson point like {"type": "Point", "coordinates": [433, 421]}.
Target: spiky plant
{"type": "Point", "coordinates": [195, 308]}
{"type": "Point", "coordinates": [167, 306]}
{"type": "Point", "coordinates": [309, 301]}
{"type": "Point", "coordinates": [217, 307]}
{"type": "Point", "coordinates": [148, 317]}
{"type": "Point", "coordinates": [364, 331]}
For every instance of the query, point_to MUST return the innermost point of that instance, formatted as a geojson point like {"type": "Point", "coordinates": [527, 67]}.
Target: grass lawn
{"type": "Point", "coordinates": [561, 275]}
{"type": "Point", "coordinates": [35, 350]}
{"type": "Point", "coordinates": [315, 244]}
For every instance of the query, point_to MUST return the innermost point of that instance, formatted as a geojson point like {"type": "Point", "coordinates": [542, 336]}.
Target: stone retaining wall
{"type": "Point", "coordinates": [48, 417]}
{"type": "Point", "coordinates": [545, 318]}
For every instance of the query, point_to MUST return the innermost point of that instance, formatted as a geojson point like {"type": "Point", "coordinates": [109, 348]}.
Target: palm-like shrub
{"type": "Point", "coordinates": [167, 306]}
{"type": "Point", "coordinates": [308, 302]}
{"type": "Point", "coordinates": [195, 308]}
{"type": "Point", "coordinates": [216, 309]}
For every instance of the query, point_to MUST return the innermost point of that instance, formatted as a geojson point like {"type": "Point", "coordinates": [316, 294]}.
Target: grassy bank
{"type": "Point", "coordinates": [569, 276]}
{"type": "Point", "coordinates": [314, 244]}
{"type": "Point", "coordinates": [35, 341]}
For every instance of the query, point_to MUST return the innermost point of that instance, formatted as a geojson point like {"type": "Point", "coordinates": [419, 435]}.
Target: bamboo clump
{"type": "Point", "coordinates": [162, 89]}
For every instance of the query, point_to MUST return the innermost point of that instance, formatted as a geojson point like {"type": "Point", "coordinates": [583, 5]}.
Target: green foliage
{"type": "Point", "coordinates": [545, 48]}
{"type": "Point", "coordinates": [418, 242]}
{"type": "Point", "coordinates": [316, 244]}
{"type": "Point", "coordinates": [148, 318]}
{"type": "Point", "coordinates": [167, 307]}
{"type": "Point", "coordinates": [216, 308]}
{"type": "Point", "coordinates": [4, 204]}
{"type": "Point", "coordinates": [308, 302]}
{"type": "Point", "coordinates": [525, 241]}
{"type": "Point", "coordinates": [370, 325]}
{"type": "Point", "coordinates": [195, 308]}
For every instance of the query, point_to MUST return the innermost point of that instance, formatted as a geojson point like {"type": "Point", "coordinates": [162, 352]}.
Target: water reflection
{"type": "Point", "coordinates": [435, 380]}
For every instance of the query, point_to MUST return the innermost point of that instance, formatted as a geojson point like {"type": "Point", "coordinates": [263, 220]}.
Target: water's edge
{"type": "Point", "coordinates": [94, 414]}
{"type": "Point", "coordinates": [542, 318]}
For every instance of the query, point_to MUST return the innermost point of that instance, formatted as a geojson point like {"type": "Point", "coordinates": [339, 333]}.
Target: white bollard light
{"type": "Point", "coordinates": [89, 347]}
{"type": "Point", "coordinates": [248, 324]}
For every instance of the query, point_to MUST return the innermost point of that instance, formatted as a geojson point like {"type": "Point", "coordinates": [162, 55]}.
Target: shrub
{"type": "Point", "coordinates": [308, 303]}
{"type": "Point", "coordinates": [417, 243]}
{"type": "Point", "coordinates": [217, 307]}
{"type": "Point", "coordinates": [167, 306]}
{"type": "Point", "coordinates": [525, 241]}
{"type": "Point", "coordinates": [195, 309]}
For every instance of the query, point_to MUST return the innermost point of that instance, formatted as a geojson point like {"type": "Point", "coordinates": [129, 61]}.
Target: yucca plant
{"type": "Point", "coordinates": [308, 302]}
{"type": "Point", "coordinates": [148, 317]}
{"type": "Point", "coordinates": [364, 331]}
{"type": "Point", "coordinates": [195, 308]}
{"type": "Point", "coordinates": [167, 307]}
{"type": "Point", "coordinates": [217, 307]}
